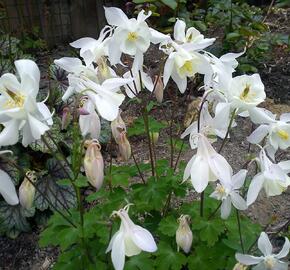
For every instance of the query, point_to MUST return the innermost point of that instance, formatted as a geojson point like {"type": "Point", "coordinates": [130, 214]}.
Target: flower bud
{"type": "Point", "coordinates": [124, 146]}
{"type": "Point", "coordinates": [94, 163]}
{"type": "Point", "coordinates": [240, 266]}
{"type": "Point", "coordinates": [27, 190]}
{"type": "Point", "coordinates": [66, 118]}
{"type": "Point", "coordinates": [159, 89]}
{"type": "Point", "coordinates": [117, 127]}
{"type": "Point", "coordinates": [184, 234]}
{"type": "Point", "coordinates": [154, 137]}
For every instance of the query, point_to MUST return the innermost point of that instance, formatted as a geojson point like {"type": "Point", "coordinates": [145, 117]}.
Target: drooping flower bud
{"type": "Point", "coordinates": [117, 127]}
{"type": "Point", "coordinates": [240, 266]}
{"type": "Point", "coordinates": [66, 118]}
{"type": "Point", "coordinates": [89, 120]}
{"type": "Point", "coordinates": [27, 190]}
{"type": "Point", "coordinates": [159, 88]}
{"type": "Point", "coordinates": [94, 163]}
{"type": "Point", "coordinates": [154, 137]}
{"type": "Point", "coordinates": [124, 146]}
{"type": "Point", "coordinates": [184, 234]}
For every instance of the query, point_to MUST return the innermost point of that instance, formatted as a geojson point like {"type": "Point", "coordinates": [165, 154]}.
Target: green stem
{"type": "Point", "coordinates": [138, 168]}
{"type": "Point", "coordinates": [146, 124]}
{"type": "Point", "coordinates": [167, 204]}
{"type": "Point", "coordinates": [240, 232]}
{"type": "Point", "coordinates": [215, 211]}
{"type": "Point", "coordinates": [201, 204]}
{"type": "Point", "coordinates": [228, 130]}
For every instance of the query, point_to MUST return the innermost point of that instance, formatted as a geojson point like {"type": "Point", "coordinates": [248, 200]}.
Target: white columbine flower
{"type": "Point", "coordinates": [210, 126]}
{"type": "Point", "coordinates": [129, 240]}
{"type": "Point", "coordinates": [268, 261]}
{"type": "Point", "coordinates": [228, 193]}
{"type": "Point", "coordinates": [277, 132]}
{"type": "Point", "coordinates": [273, 178]}
{"type": "Point", "coordinates": [7, 188]}
{"type": "Point", "coordinates": [246, 92]}
{"type": "Point", "coordinates": [207, 165]}
{"type": "Point", "coordinates": [131, 36]}
{"type": "Point", "coordinates": [19, 110]}
{"type": "Point", "coordinates": [181, 65]}
{"type": "Point", "coordinates": [91, 50]}
{"type": "Point", "coordinates": [192, 39]}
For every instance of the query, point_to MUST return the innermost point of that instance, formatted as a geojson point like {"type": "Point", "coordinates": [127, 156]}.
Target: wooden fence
{"type": "Point", "coordinates": [56, 21]}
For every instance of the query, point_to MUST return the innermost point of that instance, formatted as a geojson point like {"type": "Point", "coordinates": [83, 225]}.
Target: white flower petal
{"type": "Point", "coordinates": [285, 166]}
{"type": "Point", "coordinates": [285, 117]}
{"type": "Point", "coordinates": [7, 189]}
{"type": "Point", "coordinates": [116, 16]}
{"type": "Point", "coordinates": [131, 249]}
{"type": "Point", "coordinates": [9, 135]}
{"type": "Point", "coordinates": [264, 244]}
{"type": "Point", "coordinates": [239, 179]}
{"type": "Point", "coordinates": [199, 174]}
{"type": "Point", "coordinates": [285, 249]}
{"type": "Point", "coordinates": [168, 67]}
{"type": "Point", "coordinates": [143, 239]}
{"type": "Point", "coordinates": [254, 188]}
{"type": "Point", "coordinates": [118, 252]}
{"type": "Point", "coordinates": [226, 208]}
{"type": "Point", "coordinates": [238, 201]}
{"type": "Point", "coordinates": [220, 168]}
{"type": "Point", "coordinates": [258, 134]}
{"type": "Point", "coordinates": [70, 64]}
{"type": "Point", "coordinates": [28, 67]}
{"type": "Point", "coordinates": [187, 170]}
{"type": "Point", "coordinates": [179, 30]}
{"type": "Point", "coordinates": [248, 259]}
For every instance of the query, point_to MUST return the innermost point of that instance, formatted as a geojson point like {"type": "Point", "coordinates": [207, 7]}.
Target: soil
{"type": "Point", "coordinates": [23, 253]}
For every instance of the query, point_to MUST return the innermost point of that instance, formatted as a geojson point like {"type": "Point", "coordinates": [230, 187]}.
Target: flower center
{"type": "Point", "coordinates": [132, 36]}
{"type": "Point", "coordinates": [15, 101]}
{"type": "Point", "coordinates": [245, 93]}
{"type": "Point", "coordinates": [186, 68]}
{"type": "Point", "coordinates": [283, 134]}
{"type": "Point", "coordinates": [221, 191]}
{"type": "Point", "coordinates": [270, 262]}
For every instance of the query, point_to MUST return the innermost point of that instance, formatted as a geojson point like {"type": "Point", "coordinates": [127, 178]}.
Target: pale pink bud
{"type": "Point", "coordinates": [94, 164]}
{"type": "Point", "coordinates": [117, 127]}
{"type": "Point", "coordinates": [159, 89]}
{"type": "Point", "coordinates": [124, 146]}
{"type": "Point", "coordinates": [65, 118]}
{"type": "Point", "coordinates": [27, 190]}
{"type": "Point", "coordinates": [184, 234]}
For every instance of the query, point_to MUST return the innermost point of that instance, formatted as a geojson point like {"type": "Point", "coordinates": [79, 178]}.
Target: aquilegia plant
{"type": "Point", "coordinates": [173, 222]}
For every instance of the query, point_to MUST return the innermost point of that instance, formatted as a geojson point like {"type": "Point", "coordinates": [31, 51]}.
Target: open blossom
{"type": "Point", "coordinates": [92, 50]}
{"type": "Point", "coordinates": [273, 178]}
{"type": "Point", "coordinates": [184, 234]}
{"type": "Point", "coordinates": [181, 65]}
{"type": "Point", "coordinates": [19, 110]}
{"type": "Point", "coordinates": [206, 166]}
{"type": "Point", "coordinates": [268, 260]}
{"type": "Point", "coordinates": [131, 36]}
{"type": "Point", "coordinates": [89, 123]}
{"type": "Point", "coordinates": [246, 92]}
{"type": "Point", "coordinates": [228, 193]}
{"type": "Point", "coordinates": [7, 188]}
{"type": "Point", "coordinates": [129, 240]}
{"type": "Point", "coordinates": [211, 127]}
{"type": "Point", "coordinates": [276, 131]}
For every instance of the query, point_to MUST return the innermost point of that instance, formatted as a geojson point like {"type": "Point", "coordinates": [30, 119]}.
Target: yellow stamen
{"type": "Point", "coordinates": [283, 134]}
{"type": "Point", "coordinates": [245, 93]}
{"type": "Point", "coordinates": [132, 36]}
{"type": "Point", "coordinates": [15, 101]}
{"type": "Point", "coordinates": [187, 67]}
{"type": "Point", "coordinates": [220, 189]}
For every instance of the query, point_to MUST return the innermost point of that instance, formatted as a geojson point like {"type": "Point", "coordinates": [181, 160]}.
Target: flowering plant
{"type": "Point", "coordinates": [175, 230]}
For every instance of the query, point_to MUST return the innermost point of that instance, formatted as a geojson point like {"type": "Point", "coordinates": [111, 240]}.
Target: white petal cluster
{"type": "Point", "coordinates": [268, 260]}
{"type": "Point", "coordinates": [20, 113]}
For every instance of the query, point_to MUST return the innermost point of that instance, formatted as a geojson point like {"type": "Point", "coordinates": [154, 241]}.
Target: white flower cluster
{"type": "Point", "coordinates": [93, 80]}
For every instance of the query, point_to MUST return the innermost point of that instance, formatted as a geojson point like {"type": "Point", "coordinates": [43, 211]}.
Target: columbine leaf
{"type": "Point", "coordinates": [139, 262]}
{"type": "Point", "coordinates": [167, 258]}
{"type": "Point", "coordinates": [168, 226]}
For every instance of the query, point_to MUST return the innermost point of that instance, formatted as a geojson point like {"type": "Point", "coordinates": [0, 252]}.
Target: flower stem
{"type": "Point", "coordinates": [240, 232]}
{"type": "Point", "coordinates": [215, 211]}
{"type": "Point", "coordinates": [138, 168]}
{"type": "Point", "coordinates": [228, 130]}
{"type": "Point", "coordinates": [201, 204]}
